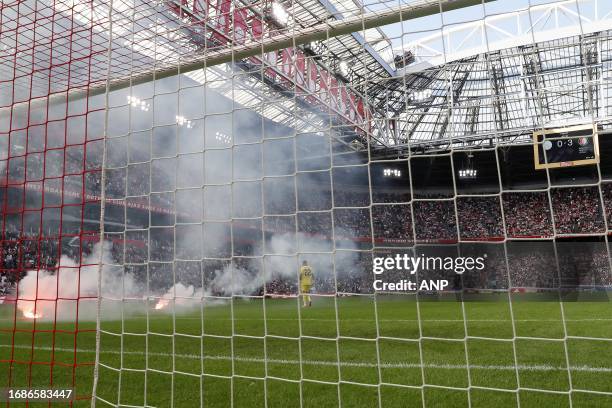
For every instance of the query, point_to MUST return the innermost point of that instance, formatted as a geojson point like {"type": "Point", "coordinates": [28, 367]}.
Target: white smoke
{"type": "Point", "coordinates": [282, 261]}
{"type": "Point", "coordinates": [72, 288]}
{"type": "Point", "coordinates": [225, 154]}
{"type": "Point", "coordinates": [180, 298]}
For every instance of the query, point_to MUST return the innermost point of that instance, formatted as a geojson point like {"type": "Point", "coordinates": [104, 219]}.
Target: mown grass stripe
{"type": "Point", "coordinates": [525, 367]}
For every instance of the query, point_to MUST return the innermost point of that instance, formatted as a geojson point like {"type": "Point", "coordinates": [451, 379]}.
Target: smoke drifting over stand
{"type": "Point", "coordinates": [210, 200]}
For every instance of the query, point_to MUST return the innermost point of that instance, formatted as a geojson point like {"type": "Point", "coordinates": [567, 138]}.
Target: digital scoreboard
{"type": "Point", "coordinates": [564, 147]}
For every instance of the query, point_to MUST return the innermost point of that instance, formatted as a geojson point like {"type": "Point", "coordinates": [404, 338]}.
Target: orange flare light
{"type": "Point", "coordinates": [31, 315]}
{"type": "Point", "coordinates": [162, 303]}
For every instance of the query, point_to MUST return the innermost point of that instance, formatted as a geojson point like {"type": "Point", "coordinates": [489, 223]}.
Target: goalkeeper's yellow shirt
{"type": "Point", "coordinates": [305, 276]}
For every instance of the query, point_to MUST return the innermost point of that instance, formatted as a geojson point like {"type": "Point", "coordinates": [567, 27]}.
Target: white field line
{"type": "Point", "coordinates": [593, 319]}
{"type": "Point", "coordinates": [315, 319]}
{"type": "Point", "coordinates": [525, 367]}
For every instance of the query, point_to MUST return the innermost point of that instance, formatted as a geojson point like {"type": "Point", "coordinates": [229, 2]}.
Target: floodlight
{"type": "Point", "coordinates": [392, 172]}
{"type": "Point", "coordinates": [278, 15]}
{"type": "Point", "coordinates": [314, 49]}
{"type": "Point", "coordinates": [421, 95]}
{"type": "Point", "coordinates": [343, 70]}
{"type": "Point", "coordinates": [182, 121]}
{"type": "Point", "coordinates": [468, 173]}
{"type": "Point", "coordinates": [222, 137]}
{"type": "Point", "coordinates": [136, 102]}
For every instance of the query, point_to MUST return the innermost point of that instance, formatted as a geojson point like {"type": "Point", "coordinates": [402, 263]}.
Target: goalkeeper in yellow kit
{"type": "Point", "coordinates": [306, 279]}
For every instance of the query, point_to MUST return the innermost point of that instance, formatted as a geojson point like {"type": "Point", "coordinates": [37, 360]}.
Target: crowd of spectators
{"type": "Point", "coordinates": [479, 217]}
{"type": "Point", "coordinates": [577, 210]}
{"type": "Point", "coordinates": [606, 191]}
{"type": "Point", "coordinates": [525, 264]}
{"type": "Point", "coordinates": [352, 223]}
{"type": "Point", "coordinates": [348, 213]}
{"type": "Point", "coordinates": [527, 214]}
{"type": "Point", "coordinates": [19, 253]}
{"type": "Point", "coordinates": [542, 265]}
{"type": "Point", "coordinates": [387, 219]}
{"type": "Point", "coordinates": [282, 287]}
{"type": "Point", "coordinates": [387, 229]}
{"type": "Point", "coordinates": [525, 267]}
{"type": "Point", "coordinates": [381, 216]}
{"type": "Point", "coordinates": [533, 266]}
{"type": "Point", "coordinates": [435, 220]}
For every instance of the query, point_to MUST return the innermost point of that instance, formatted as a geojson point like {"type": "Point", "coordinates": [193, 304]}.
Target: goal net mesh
{"type": "Point", "coordinates": [170, 171]}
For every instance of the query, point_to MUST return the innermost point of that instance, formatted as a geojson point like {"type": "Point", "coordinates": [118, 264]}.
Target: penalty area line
{"type": "Point", "coordinates": [494, 367]}
{"type": "Point", "coordinates": [320, 319]}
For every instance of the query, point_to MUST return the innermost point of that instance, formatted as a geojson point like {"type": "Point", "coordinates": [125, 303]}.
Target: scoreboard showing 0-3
{"type": "Point", "coordinates": [564, 147]}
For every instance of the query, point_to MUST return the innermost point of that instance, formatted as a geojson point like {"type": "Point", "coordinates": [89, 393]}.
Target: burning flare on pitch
{"type": "Point", "coordinates": [181, 297]}
{"type": "Point", "coordinates": [31, 315]}
{"type": "Point", "coordinates": [71, 286]}
{"type": "Point", "coordinates": [162, 303]}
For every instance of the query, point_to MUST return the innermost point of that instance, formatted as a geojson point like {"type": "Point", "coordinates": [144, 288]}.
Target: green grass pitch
{"type": "Point", "coordinates": [252, 353]}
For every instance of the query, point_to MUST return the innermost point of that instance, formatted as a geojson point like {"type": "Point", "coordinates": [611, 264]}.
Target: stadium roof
{"type": "Point", "coordinates": [492, 69]}
{"type": "Point", "coordinates": [73, 39]}
{"type": "Point", "coordinates": [507, 74]}
{"type": "Point", "coordinates": [511, 91]}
